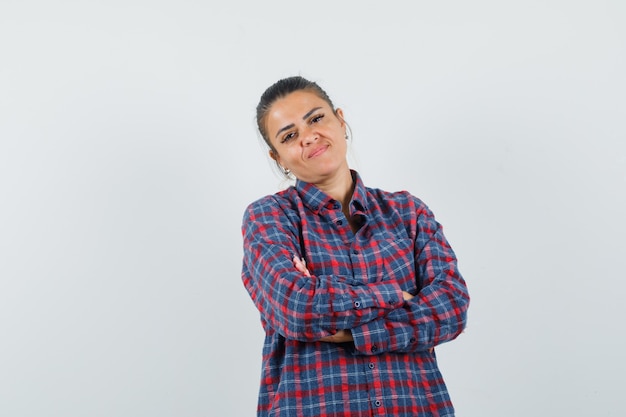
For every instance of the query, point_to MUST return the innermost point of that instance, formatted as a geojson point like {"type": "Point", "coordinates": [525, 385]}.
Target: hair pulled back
{"type": "Point", "coordinates": [280, 89]}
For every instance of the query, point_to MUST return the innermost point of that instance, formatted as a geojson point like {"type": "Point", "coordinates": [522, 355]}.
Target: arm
{"type": "Point", "coordinates": [341, 336]}
{"type": "Point", "coordinates": [297, 305]}
{"type": "Point", "coordinates": [437, 313]}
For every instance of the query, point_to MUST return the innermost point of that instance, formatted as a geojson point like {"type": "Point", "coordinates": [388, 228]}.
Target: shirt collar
{"type": "Point", "coordinates": [315, 199]}
{"type": "Point", "coordinates": [359, 196]}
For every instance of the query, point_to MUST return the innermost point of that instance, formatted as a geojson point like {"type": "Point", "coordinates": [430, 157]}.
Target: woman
{"type": "Point", "coordinates": [355, 285]}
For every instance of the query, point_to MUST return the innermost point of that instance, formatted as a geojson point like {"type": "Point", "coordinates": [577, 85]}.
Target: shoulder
{"type": "Point", "coordinates": [397, 200]}
{"type": "Point", "coordinates": [271, 204]}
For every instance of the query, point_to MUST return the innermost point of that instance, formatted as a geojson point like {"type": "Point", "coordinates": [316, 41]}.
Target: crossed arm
{"type": "Point", "coordinates": [378, 316]}
{"type": "Point", "coordinates": [342, 335]}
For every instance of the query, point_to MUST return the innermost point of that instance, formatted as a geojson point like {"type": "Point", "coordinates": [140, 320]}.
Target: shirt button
{"type": "Point", "coordinates": [371, 365]}
{"type": "Point", "coordinates": [374, 348]}
{"type": "Point", "coordinates": [336, 206]}
{"type": "Point", "coordinates": [392, 301]}
{"type": "Point", "coordinates": [356, 252]}
{"type": "Point", "coordinates": [357, 304]}
{"type": "Point", "coordinates": [339, 222]}
{"type": "Point", "coordinates": [412, 340]}
{"type": "Point", "coordinates": [377, 403]}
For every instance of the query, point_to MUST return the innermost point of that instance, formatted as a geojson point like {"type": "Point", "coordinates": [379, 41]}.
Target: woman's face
{"type": "Point", "coordinates": [309, 138]}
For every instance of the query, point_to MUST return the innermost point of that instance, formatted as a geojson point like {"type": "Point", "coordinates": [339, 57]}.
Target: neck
{"type": "Point", "coordinates": [340, 187]}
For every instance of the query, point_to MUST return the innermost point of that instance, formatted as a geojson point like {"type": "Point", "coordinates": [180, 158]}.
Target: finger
{"type": "Point", "coordinates": [300, 265]}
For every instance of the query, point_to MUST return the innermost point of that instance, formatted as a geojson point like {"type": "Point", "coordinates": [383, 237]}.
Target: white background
{"type": "Point", "coordinates": [128, 153]}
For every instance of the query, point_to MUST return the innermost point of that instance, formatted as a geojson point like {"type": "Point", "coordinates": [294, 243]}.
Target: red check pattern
{"type": "Point", "coordinates": [356, 283]}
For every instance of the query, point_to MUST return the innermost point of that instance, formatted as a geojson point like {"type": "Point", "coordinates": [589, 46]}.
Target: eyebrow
{"type": "Point", "coordinates": [306, 116]}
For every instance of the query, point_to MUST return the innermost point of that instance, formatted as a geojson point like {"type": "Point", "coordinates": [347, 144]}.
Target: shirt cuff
{"type": "Point", "coordinates": [383, 295]}
{"type": "Point", "coordinates": [382, 335]}
{"type": "Point", "coordinates": [370, 338]}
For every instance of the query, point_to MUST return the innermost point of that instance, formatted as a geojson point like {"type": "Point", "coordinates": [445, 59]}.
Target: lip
{"type": "Point", "coordinates": [317, 151]}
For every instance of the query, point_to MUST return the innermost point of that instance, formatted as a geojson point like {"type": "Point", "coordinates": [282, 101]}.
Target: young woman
{"type": "Point", "coordinates": [355, 285]}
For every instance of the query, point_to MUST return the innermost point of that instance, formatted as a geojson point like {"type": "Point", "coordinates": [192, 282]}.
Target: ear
{"type": "Point", "coordinates": [339, 114]}
{"type": "Point", "coordinates": [274, 155]}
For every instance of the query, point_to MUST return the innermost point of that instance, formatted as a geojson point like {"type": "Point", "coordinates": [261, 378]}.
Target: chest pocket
{"type": "Point", "coordinates": [398, 263]}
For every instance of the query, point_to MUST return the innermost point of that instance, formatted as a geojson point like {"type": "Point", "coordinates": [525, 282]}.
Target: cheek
{"type": "Point", "coordinates": [341, 141]}
{"type": "Point", "coordinates": [291, 155]}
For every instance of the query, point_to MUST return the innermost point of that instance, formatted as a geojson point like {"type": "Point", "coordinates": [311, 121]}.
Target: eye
{"type": "Point", "coordinates": [317, 118]}
{"type": "Point", "coordinates": [288, 137]}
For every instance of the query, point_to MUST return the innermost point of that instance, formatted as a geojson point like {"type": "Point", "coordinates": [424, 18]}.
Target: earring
{"type": "Point", "coordinates": [286, 171]}
{"type": "Point", "coordinates": [346, 136]}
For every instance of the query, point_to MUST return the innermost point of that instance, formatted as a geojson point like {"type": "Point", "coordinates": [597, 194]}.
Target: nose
{"type": "Point", "coordinates": [309, 136]}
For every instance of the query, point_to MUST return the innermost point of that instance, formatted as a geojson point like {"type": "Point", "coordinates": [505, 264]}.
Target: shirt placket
{"type": "Point", "coordinates": [369, 364]}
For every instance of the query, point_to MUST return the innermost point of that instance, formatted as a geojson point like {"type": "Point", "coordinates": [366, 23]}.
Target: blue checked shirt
{"type": "Point", "coordinates": [356, 283]}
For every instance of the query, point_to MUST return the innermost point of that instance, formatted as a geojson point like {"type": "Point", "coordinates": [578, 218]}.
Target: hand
{"type": "Point", "coordinates": [340, 337]}
{"type": "Point", "coordinates": [407, 295]}
{"type": "Point", "coordinates": [300, 265]}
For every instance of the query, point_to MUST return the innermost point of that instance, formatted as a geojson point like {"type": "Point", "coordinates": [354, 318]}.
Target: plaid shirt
{"type": "Point", "coordinates": [356, 283]}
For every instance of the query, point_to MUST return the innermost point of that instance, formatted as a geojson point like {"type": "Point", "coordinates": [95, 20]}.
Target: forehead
{"type": "Point", "coordinates": [292, 108]}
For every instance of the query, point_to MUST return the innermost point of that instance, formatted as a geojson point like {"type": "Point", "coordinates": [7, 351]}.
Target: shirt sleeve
{"type": "Point", "coordinates": [437, 314]}
{"type": "Point", "coordinates": [298, 306]}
